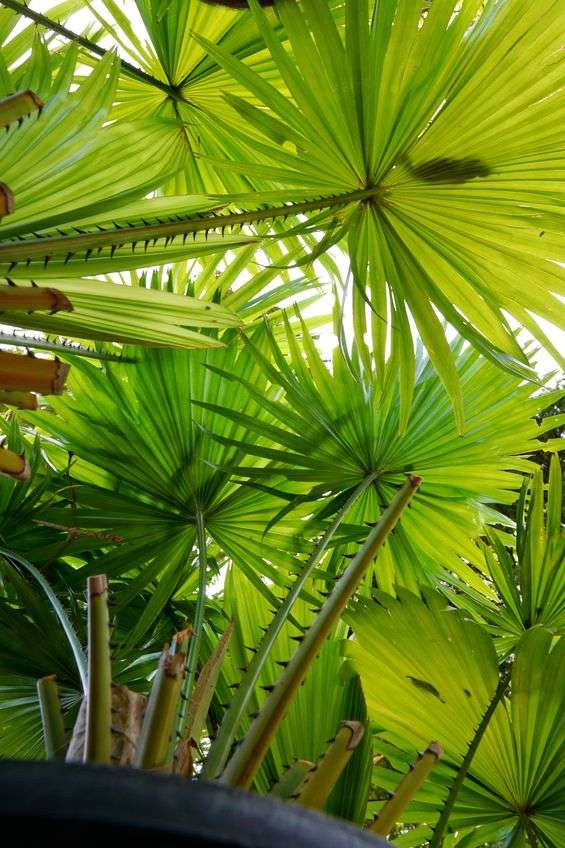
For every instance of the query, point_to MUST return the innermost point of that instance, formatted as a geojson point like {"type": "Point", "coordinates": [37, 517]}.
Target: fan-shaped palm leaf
{"type": "Point", "coordinates": [145, 469]}
{"type": "Point", "coordinates": [427, 127]}
{"type": "Point", "coordinates": [333, 430]}
{"type": "Point", "coordinates": [23, 526]}
{"type": "Point", "coordinates": [429, 673]}
{"type": "Point", "coordinates": [18, 36]}
{"type": "Point", "coordinates": [63, 167]}
{"type": "Point", "coordinates": [165, 72]}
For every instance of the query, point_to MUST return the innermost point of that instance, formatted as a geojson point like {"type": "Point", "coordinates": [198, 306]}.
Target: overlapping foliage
{"type": "Point", "coordinates": [193, 170]}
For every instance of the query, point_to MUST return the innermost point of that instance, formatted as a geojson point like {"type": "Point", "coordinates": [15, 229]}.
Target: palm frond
{"type": "Point", "coordinates": [332, 428]}
{"type": "Point", "coordinates": [433, 114]}
{"type": "Point", "coordinates": [427, 672]}
{"type": "Point", "coordinates": [527, 578]}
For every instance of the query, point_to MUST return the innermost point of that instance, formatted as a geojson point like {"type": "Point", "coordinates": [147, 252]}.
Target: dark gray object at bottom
{"type": "Point", "coordinates": [56, 803]}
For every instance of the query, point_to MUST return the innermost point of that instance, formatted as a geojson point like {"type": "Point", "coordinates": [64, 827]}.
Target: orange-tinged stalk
{"type": "Point", "coordinates": [21, 400]}
{"type": "Point", "coordinates": [32, 374]}
{"type": "Point", "coordinates": [14, 465]}
{"type": "Point", "coordinates": [33, 298]}
{"type": "Point", "coordinates": [18, 106]}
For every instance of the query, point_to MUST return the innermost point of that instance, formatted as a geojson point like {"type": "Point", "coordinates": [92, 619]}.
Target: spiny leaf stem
{"type": "Point", "coordinates": [48, 246]}
{"type": "Point", "coordinates": [243, 766]}
{"type": "Point", "coordinates": [391, 812]}
{"type": "Point", "coordinates": [319, 781]}
{"type": "Point", "coordinates": [220, 749]}
{"type": "Point", "coordinates": [441, 826]}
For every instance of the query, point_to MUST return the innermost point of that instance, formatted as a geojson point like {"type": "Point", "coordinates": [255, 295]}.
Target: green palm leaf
{"type": "Point", "coordinates": [18, 36]}
{"type": "Point", "coordinates": [74, 182]}
{"type": "Point", "coordinates": [333, 429]}
{"type": "Point", "coordinates": [444, 116]}
{"type": "Point", "coordinates": [528, 580]}
{"type": "Point", "coordinates": [131, 315]}
{"type": "Point", "coordinates": [145, 468]}
{"type": "Point", "coordinates": [24, 527]}
{"type": "Point", "coordinates": [64, 168]}
{"type": "Point", "coordinates": [165, 72]}
{"type": "Point", "coordinates": [427, 672]}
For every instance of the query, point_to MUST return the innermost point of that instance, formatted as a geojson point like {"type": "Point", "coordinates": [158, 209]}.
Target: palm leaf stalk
{"type": "Point", "coordinates": [319, 781]}
{"type": "Point", "coordinates": [447, 809]}
{"type": "Point", "coordinates": [247, 758]}
{"type": "Point", "coordinates": [155, 749]}
{"type": "Point", "coordinates": [16, 107]}
{"type": "Point", "coordinates": [20, 400]}
{"type": "Point", "coordinates": [14, 465]}
{"type": "Point", "coordinates": [98, 743]}
{"type": "Point", "coordinates": [52, 718]}
{"type": "Point", "coordinates": [61, 253]}
{"type": "Point", "coordinates": [66, 348]}
{"type": "Point", "coordinates": [6, 200]}
{"type": "Point", "coordinates": [291, 779]}
{"type": "Point", "coordinates": [199, 706]}
{"type": "Point", "coordinates": [221, 746]}
{"type": "Point", "coordinates": [196, 641]}
{"type": "Point", "coordinates": [33, 298]}
{"type": "Point", "coordinates": [392, 811]}
{"type": "Point", "coordinates": [30, 373]}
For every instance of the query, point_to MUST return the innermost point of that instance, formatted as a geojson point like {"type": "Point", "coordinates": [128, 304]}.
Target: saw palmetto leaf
{"type": "Point", "coordinates": [145, 467]}
{"type": "Point", "coordinates": [79, 208]}
{"type": "Point", "coordinates": [428, 672]}
{"type": "Point", "coordinates": [434, 113]}
{"type": "Point", "coordinates": [74, 181]}
{"type": "Point", "coordinates": [528, 579]}
{"type": "Point", "coordinates": [333, 429]}
{"type": "Point", "coordinates": [129, 314]}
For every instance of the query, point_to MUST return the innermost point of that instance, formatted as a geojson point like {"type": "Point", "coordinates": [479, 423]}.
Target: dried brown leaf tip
{"type": "Point", "coordinates": [97, 585]}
